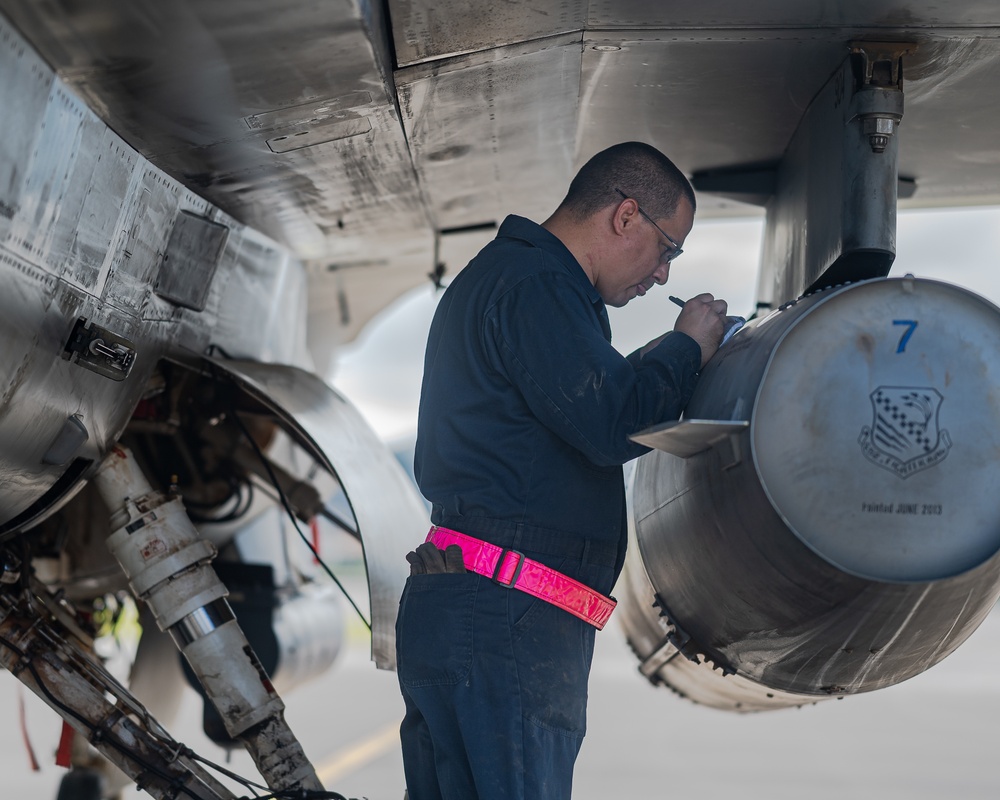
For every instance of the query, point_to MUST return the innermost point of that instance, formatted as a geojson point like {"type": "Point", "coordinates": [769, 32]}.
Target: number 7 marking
{"type": "Point", "coordinates": [911, 326]}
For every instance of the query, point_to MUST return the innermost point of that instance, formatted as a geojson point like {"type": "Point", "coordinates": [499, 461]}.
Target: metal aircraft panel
{"type": "Point", "coordinates": [653, 88]}
{"type": "Point", "coordinates": [222, 96]}
{"type": "Point", "coordinates": [199, 92]}
{"type": "Point", "coordinates": [494, 132]}
{"type": "Point", "coordinates": [26, 84]}
{"type": "Point", "coordinates": [947, 140]}
{"type": "Point", "coordinates": [83, 238]}
{"type": "Point", "coordinates": [710, 14]}
{"type": "Point", "coordinates": [426, 30]}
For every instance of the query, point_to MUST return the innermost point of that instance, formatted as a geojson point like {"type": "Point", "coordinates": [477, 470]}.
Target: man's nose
{"type": "Point", "coordinates": [661, 273]}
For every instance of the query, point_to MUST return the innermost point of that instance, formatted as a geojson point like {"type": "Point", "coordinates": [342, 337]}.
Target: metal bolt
{"type": "Point", "coordinates": [879, 130]}
{"type": "Point", "coordinates": [878, 143]}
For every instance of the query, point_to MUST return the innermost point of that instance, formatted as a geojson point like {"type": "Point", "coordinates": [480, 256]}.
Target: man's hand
{"type": "Point", "coordinates": [703, 318]}
{"type": "Point", "coordinates": [429, 559]}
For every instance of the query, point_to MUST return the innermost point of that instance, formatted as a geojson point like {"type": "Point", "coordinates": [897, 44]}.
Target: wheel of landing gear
{"type": "Point", "coordinates": [80, 784]}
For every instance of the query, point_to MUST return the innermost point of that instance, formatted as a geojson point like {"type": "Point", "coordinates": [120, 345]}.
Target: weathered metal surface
{"type": "Point", "coordinates": [190, 260]}
{"type": "Point", "coordinates": [201, 90]}
{"type": "Point", "coordinates": [653, 642]}
{"type": "Point", "coordinates": [84, 226]}
{"type": "Point", "coordinates": [428, 31]}
{"type": "Point", "coordinates": [467, 119]}
{"type": "Point", "coordinates": [849, 539]}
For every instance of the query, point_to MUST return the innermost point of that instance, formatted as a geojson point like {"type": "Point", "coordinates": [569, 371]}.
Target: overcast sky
{"type": "Point", "coordinates": [380, 372]}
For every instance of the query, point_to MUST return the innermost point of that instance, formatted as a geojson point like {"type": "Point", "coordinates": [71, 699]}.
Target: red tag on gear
{"type": "Point", "coordinates": [64, 754]}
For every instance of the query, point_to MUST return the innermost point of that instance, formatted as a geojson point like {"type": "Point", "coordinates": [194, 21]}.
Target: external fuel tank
{"type": "Point", "coordinates": [826, 518]}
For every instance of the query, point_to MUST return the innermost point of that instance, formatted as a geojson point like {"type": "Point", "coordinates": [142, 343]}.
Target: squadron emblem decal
{"type": "Point", "coordinates": [904, 436]}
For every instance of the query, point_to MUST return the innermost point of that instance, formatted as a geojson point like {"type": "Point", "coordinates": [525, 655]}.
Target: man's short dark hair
{"type": "Point", "coordinates": [641, 171]}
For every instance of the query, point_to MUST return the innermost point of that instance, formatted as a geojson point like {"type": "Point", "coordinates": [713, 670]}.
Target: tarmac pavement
{"type": "Point", "coordinates": [931, 737]}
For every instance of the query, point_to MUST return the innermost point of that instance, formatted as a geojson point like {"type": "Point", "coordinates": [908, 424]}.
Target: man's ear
{"type": "Point", "coordinates": [624, 216]}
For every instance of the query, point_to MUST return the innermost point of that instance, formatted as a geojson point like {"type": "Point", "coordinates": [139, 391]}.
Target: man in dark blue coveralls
{"type": "Point", "coordinates": [523, 427]}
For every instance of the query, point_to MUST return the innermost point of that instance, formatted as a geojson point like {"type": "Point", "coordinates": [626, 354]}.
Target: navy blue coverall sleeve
{"type": "Point", "coordinates": [547, 339]}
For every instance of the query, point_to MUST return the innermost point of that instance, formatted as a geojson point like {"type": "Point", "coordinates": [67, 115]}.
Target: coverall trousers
{"type": "Point", "coordinates": [495, 687]}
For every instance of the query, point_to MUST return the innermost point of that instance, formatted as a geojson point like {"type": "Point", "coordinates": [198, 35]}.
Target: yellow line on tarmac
{"type": "Point", "coordinates": [353, 758]}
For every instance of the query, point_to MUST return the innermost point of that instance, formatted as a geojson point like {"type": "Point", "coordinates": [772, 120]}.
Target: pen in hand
{"type": "Point", "coordinates": [732, 325]}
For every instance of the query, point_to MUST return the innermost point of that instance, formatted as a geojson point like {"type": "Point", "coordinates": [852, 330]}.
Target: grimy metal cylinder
{"type": "Point", "coordinates": [847, 537]}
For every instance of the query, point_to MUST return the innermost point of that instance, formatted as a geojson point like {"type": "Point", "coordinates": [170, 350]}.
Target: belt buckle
{"type": "Point", "coordinates": [500, 562]}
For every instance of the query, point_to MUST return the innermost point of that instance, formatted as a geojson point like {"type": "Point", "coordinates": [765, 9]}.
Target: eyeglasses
{"type": "Point", "coordinates": [677, 248]}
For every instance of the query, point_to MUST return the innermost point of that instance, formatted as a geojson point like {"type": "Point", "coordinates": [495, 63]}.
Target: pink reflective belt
{"type": "Point", "coordinates": [511, 569]}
